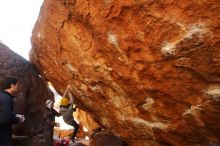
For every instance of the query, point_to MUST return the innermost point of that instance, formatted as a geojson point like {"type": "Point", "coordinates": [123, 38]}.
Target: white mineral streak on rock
{"type": "Point", "coordinates": [214, 92]}
{"type": "Point", "coordinates": [112, 39]}
{"type": "Point", "coordinates": [199, 29]}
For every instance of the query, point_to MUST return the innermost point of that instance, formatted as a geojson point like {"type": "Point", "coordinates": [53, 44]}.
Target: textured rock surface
{"type": "Point", "coordinates": [105, 138]}
{"type": "Point", "coordinates": [86, 120]}
{"type": "Point", "coordinates": [147, 70]}
{"type": "Point", "coordinates": [30, 99]}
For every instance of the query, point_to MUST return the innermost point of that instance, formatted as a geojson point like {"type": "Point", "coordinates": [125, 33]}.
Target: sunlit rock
{"type": "Point", "coordinates": [146, 70]}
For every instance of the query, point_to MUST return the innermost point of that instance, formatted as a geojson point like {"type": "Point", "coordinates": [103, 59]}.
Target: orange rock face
{"type": "Point", "coordinates": [147, 70]}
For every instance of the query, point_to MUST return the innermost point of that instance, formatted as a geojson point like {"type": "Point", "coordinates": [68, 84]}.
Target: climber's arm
{"type": "Point", "coordinates": [55, 113]}
{"type": "Point", "coordinates": [66, 91]}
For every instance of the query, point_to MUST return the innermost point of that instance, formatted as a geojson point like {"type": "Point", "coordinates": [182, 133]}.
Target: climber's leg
{"type": "Point", "coordinates": [76, 127]}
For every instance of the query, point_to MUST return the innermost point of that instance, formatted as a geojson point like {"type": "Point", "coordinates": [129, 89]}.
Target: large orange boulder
{"type": "Point", "coordinates": [147, 70]}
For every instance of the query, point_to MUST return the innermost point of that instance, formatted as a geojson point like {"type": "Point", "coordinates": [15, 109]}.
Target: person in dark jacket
{"type": "Point", "coordinates": [9, 87]}
{"type": "Point", "coordinates": [50, 120]}
{"type": "Point", "coordinates": [51, 113]}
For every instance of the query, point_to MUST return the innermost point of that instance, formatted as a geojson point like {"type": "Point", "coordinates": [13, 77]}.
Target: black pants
{"type": "Point", "coordinates": [76, 128]}
{"type": "Point", "coordinates": [5, 135]}
{"type": "Point", "coordinates": [5, 144]}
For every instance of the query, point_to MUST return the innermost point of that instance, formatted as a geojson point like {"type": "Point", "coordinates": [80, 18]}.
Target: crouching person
{"type": "Point", "coordinates": [9, 88]}
{"type": "Point", "coordinates": [50, 121]}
